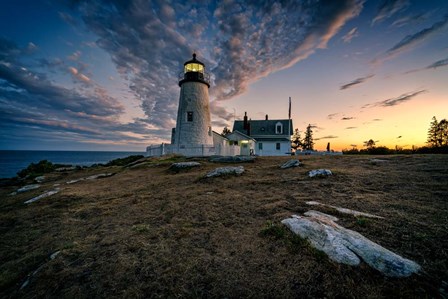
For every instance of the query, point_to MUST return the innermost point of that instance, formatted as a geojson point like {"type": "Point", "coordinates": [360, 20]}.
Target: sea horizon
{"type": "Point", "coordinates": [12, 161]}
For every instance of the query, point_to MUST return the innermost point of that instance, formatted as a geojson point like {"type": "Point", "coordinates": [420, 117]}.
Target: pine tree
{"type": "Point", "coordinates": [433, 133]}
{"type": "Point", "coordinates": [308, 143]}
{"type": "Point", "coordinates": [442, 132]}
{"type": "Point", "coordinates": [225, 131]}
{"type": "Point", "coordinates": [296, 140]}
{"type": "Point", "coordinates": [369, 144]}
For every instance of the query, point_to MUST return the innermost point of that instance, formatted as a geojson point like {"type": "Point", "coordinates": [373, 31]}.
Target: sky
{"type": "Point", "coordinates": [103, 75]}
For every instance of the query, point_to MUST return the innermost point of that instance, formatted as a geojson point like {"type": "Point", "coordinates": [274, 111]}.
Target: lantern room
{"type": "Point", "coordinates": [194, 71]}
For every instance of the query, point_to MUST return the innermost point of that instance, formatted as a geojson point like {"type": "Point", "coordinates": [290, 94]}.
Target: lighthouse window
{"type": "Point", "coordinates": [194, 67]}
{"type": "Point", "coordinates": [190, 116]}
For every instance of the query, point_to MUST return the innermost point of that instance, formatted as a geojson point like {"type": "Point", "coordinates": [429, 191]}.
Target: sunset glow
{"type": "Point", "coordinates": [102, 75]}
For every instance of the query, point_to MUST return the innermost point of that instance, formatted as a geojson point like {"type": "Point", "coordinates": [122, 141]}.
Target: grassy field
{"type": "Point", "coordinates": [150, 232]}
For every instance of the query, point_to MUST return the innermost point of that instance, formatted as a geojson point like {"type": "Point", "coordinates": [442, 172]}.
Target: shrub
{"type": "Point", "coordinates": [40, 168]}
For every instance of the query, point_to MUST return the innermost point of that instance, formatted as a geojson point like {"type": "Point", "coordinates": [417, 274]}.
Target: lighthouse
{"type": "Point", "coordinates": [193, 134]}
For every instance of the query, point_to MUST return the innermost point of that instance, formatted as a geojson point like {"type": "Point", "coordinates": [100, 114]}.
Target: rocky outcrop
{"type": "Point", "coordinates": [46, 194]}
{"type": "Point", "coordinates": [39, 179]}
{"type": "Point", "coordinates": [319, 173]}
{"type": "Point", "coordinates": [92, 177]}
{"type": "Point", "coordinates": [344, 210]}
{"type": "Point", "coordinates": [176, 167]}
{"type": "Point", "coordinates": [232, 159]}
{"type": "Point", "coordinates": [346, 246]}
{"type": "Point", "coordinates": [28, 188]}
{"type": "Point", "coordinates": [224, 171]}
{"type": "Point", "coordinates": [290, 163]}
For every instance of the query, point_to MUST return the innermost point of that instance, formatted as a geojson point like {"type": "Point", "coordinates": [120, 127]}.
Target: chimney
{"type": "Point", "coordinates": [245, 121]}
{"type": "Point", "coordinates": [267, 117]}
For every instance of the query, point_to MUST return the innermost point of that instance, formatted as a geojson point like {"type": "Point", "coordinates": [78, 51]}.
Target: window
{"type": "Point", "coordinates": [260, 146]}
{"type": "Point", "coordinates": [277, 146]}
{"type": "Point", "coordinates": [194, 67]}
{"type": "Point", "coordinates": [278, 128]}
{"type": "Point", "coordinates": [190, 116]}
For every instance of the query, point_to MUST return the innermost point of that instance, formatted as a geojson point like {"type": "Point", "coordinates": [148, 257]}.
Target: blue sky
{"type": "Point", "coordinates": [102, 75]}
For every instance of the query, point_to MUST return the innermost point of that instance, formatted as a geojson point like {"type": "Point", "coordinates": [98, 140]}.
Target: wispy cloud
{"type": "Point", "coordinates": [32, 105]}
{"type": "Point", "coordinates": [333, 115]}
{"type": "Point", "coordinates": [388, 8]}
{"type": "Point", "coordinates": [239, 47]}
{"type": "Point", "coordinates": [350, 35]}
{"type": "Point", "coordinates": [412, 40]}
{"type": "Point", "coordinates": [399, 100]}
{"type": "Point", "coordinates": [350, 128]}
{"type": "Point", "coordinates": [411, 19]}
{"type": "Point", "coordinates": [435, 65]}
{"type": "Point", "coordinates": [347, 118]}
{"type": "Point", "coordinates": [326, 137]}
{"type": "Point", "coordinates": [356, 82]}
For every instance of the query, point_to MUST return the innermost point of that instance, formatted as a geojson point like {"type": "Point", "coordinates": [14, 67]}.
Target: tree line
{"type": "Point", "coordinates": [436, 143]}
{"type": "Point", "coordinates": [306, 143]}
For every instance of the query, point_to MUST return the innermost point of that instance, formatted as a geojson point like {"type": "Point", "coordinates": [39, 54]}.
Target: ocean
{"type": "Point", "coordinates": [13, 161]}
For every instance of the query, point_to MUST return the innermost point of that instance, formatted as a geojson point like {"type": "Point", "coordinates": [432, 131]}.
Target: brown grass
{"type": "Point", "coordinates": [149, 232]}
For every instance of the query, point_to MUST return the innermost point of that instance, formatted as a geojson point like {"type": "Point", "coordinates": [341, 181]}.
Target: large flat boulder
{"type": "Point", "coordinates": [346, 246]}
{"type": "Point", "coordinates": [319, 173]}
{"type": "Point", "coordinates": [232, 159]}
{"type": "Point", "coordinates": [224, 171]}
{"type": "Point", "coordinates": [183, 166]}
{"type": "Point", "coordinates": [290, 163]}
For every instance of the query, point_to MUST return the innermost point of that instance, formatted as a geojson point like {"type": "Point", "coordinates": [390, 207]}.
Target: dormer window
{"type": "Point", "coordinates": [279, 128]}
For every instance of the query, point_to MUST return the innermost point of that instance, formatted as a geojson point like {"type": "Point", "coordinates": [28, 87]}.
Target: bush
{"type": "Point", "coordinates": [38, 169]}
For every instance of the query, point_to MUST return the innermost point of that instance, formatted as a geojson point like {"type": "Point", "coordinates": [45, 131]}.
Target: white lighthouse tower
{"type": "Point", "coordinates": [193, 134]}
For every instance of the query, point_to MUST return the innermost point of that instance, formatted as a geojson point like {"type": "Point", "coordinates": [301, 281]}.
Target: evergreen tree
{"type": "Point", "coordinates": [442, 132]}
{"type": "Point", "coordinates": [225, 131]}
{"type": "Point", "coordinates": [296, 140]}
{"type": "Point", "coordinates": [308, 143]}
{"type": "Point", "coordinates": [433, 133]}
{"type": "Point", "coordinates": [369, 144]}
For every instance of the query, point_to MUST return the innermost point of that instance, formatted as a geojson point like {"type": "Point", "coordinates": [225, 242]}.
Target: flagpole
{"type": "Point", "coordinates": [289, 123]}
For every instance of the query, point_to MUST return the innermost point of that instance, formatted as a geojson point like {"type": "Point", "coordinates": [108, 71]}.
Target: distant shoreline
{"type": "Point", "coordinates": [12, 161]}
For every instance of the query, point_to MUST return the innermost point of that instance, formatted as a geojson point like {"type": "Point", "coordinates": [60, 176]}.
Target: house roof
{"type": "Point", "coordinates": [260, 128]}
{"type": "Point", "coordinates": [242, 135]}
{"type": "Point", "coordinates": [219, 135]}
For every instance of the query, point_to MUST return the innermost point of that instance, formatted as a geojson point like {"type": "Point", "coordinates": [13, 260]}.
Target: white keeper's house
{"type": "Point", "coordinates": [268, 137]}
{"type": "Point", "coordinates": [194, 136]}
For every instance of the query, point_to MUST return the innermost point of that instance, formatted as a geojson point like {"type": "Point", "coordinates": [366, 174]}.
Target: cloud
{"type": "Point", "coordinates": [238, 42]}
{"type": "Point", "coordinates": [347, 118]}
{"type": "Point", "coordinates": [350, 35]}
{"type": "Point", "coordinates": [333, 115]}
{"type": "Point", "coordinates": [388, 8]}
{"type": "Point", "coordinates": [435, 65]}
{"type": "Point", "coordinates": [78, 76]}
{"type": "Point", "coordinates": [377, 119]}
{"type": "Point", "coordinates": [75, 56]}
{"type": "Point", "coordinates": [356, 82]}
{"type": "Point", "coordinates": [399, 100]}
{"type": "Point", "coordinates": [326, 137]}
{"type": "Point", "coordinates": [411, 19]}
{"type": "Point", "coordinates": [412, 40]}
{"type": "Point", "coordinates": [350, 128]}
{"type": "Point", "coordinates": [34, 108]}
